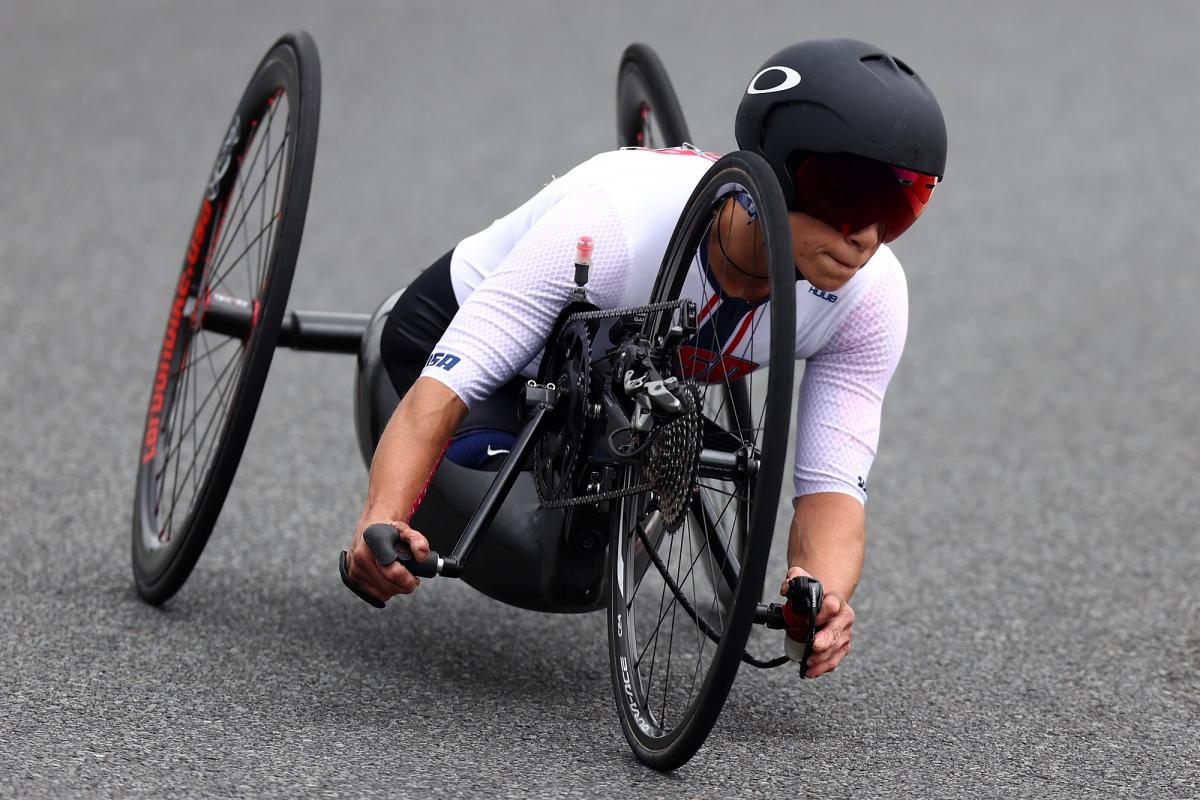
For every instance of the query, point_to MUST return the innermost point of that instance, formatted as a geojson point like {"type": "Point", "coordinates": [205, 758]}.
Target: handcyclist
{"type": "Point", "coordinates": [857, 142]}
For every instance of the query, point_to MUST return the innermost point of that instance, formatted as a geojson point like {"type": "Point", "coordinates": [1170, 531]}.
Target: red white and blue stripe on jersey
{"type": "Point", "coordinates": [724, 323]}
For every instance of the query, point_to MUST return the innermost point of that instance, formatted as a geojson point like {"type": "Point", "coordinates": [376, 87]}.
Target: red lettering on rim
{"type": "Point", "coordinates": [162, 376]}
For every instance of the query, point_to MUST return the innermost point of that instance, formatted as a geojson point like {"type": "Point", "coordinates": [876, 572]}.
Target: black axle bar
{"type": "Point", "coordinates": [315, 331]}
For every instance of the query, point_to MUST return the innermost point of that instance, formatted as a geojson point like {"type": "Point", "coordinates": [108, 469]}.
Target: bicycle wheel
{"type": "Point", "coordinates": [648, 112]}
{"type": "Point", "coordinates": [674, 644]}
{"type": "Point", "coordinates": [241, 255]}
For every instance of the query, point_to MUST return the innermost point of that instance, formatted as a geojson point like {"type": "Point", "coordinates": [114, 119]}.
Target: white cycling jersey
{"type": "Point", "coordinates": [514, 278]}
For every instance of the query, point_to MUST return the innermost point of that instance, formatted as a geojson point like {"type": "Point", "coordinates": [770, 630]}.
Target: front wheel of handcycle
{"type": "Point", "coordinates": [224, 316]}
{"type": "Point", "coordinates": [685, 586]}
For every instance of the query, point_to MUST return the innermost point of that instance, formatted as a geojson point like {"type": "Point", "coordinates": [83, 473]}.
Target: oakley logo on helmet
{"type": "Point", "coordinates": [790, 78]}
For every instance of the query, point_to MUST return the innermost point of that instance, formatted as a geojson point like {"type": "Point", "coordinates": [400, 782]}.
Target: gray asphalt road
{"type": "Point", "coordinates": [1028, 618]}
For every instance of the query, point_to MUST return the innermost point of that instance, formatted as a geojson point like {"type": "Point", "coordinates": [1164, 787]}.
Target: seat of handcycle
{"type": "Point", "coordinates": [531, 557]}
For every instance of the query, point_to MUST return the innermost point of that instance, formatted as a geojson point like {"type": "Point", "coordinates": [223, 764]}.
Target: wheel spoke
{"type": "Point", "coordinates": [237, 204]}
{"type": "Point", "coordinates": [220, 279]}
{"type": "Point", "coordinates": [261, 277]}
{"type": "Point", "coordinates": [699, 639]}
{"type": "Point", "coordinates": [718, 491]}
{"type": "Point", "coordinates": [168, 426]}
{"type": "Point", "coordinates": [262, 213]}
{"type": "Point", "coordinates": [210, 352]}
{"type": "Point", "coordinates": [203, 403]}
{"type": "Point", "coordinates": [680, 598]}
{"type": "Point", "coordinates": [664, 572]}
{"type": "Point", "coordinates": [654, 636]}
{"type": "Point", "coordinates": [218, 262]}
{"type": "Point", "coordinates": [670, 644]}
{"type": "Point", "coordinates": [183, 405]}
{"type": "Point", "coordinates": [204, 438]}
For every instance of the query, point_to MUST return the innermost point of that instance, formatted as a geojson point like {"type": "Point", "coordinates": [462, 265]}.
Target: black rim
{"type": "Point", "coordinates": [648, 111]}
{"type": "Point", "coordinates": [671, 606]}
{"type": "Point", "coordinates": [242, 249]}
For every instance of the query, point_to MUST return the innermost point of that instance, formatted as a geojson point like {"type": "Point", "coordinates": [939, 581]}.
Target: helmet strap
{"type": "Point", "coordinates": [725, 254]}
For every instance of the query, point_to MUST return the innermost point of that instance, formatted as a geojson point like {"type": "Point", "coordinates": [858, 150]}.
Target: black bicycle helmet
{"type": "Point", "coordinates": [840, 96]}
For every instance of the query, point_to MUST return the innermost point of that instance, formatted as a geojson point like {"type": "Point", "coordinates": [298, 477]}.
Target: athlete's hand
{"type": "Point", "coordinates": [384, 582]}
{"type": "Point", "coordinates": [835, 628]}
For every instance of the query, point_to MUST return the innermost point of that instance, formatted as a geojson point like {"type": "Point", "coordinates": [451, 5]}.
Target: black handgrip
{"type": "Point", "coordinates": [805, 597]}
{"type": "Point", "coordinates": [387, 546]}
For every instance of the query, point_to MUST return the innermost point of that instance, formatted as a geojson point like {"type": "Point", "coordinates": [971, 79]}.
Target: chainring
{"type": "Point", "coordinates": [556, 454]}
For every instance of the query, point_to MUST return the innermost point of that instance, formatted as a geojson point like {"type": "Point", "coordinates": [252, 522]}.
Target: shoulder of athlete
{"type": "Point", "coordinates": [647, 189]}
{"type": "Point", "coordinates": [635, 166]}
{"type": "Point", "coordinates": [646, 185]}
{"type": "Point", "coordinates": [870, 311]}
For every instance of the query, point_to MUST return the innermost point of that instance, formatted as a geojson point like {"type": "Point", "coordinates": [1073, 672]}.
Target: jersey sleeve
{"type": "Point", "coordinates": [841, 395]}
{"type": "Point", "coordinates": [505, 322]}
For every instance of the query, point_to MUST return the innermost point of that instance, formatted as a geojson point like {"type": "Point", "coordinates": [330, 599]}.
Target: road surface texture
{"type": "Point", "coordinates": [1028, 618]}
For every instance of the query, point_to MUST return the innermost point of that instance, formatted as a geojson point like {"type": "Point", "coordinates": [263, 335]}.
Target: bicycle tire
{"type": "Point", "coordinates": [646, 99]}
{"type": "Point", "coordinates": [658, 740]}
{"type": "Point", "coordinates": [165, 550]}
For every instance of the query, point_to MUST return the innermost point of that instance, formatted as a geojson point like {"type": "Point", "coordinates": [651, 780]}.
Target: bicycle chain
{"type": "Point", "coordinates": [666, 305]}
{"type": "Point", "coordinates": [598, 497]}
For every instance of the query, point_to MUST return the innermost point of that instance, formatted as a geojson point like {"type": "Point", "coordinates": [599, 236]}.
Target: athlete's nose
{"type": "Point", "coordinates": [866, 237]}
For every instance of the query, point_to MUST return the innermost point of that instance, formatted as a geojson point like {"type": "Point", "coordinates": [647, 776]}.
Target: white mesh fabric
{"type": "Point", "coordinates": [841, 395]}
{"type": "Point", "coordinates": [504, 324]}
{"type": "Point", "coordinates": [514, 278]}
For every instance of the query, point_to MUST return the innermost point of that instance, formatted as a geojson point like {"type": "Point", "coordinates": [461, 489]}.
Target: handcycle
{"type": "Point", "coordinates": [645, 481]}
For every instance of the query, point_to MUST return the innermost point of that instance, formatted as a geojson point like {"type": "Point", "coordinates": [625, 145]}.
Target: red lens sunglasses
{"type": "Point", "coordinates": [849, 193]}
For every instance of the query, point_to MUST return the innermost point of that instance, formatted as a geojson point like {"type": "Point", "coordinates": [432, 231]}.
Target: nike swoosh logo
{"type": "Point", "coordinates": [492, 452]}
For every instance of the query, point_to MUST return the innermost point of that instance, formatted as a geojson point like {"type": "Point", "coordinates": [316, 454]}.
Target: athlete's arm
{"type": "Point", "coordinates": [828, 538]}
{"type": "Point", "coordinates": [503, 324]}
{"type": "Point", "coordinates": [408, 452]}
{"type": "Point", "coordinates": [827, 541]}
{"type": "Point", "coordinates": [838, 418]}
{"type": "Point", "coordinates": [498, 329]}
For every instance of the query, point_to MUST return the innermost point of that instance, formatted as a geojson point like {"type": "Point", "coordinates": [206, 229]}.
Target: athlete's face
{"type": "Point", "coordinates": [824, 256]}
{"type": "Point", "coordinates": [828, 258]}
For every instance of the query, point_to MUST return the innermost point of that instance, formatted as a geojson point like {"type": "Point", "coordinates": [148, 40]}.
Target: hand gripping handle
{"type": "Point", "coordinates": [805, 597]}
{"type": "Point", "coordinates": [385, 542]}
{"type": "Point", "coordinates": [387, 546]}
